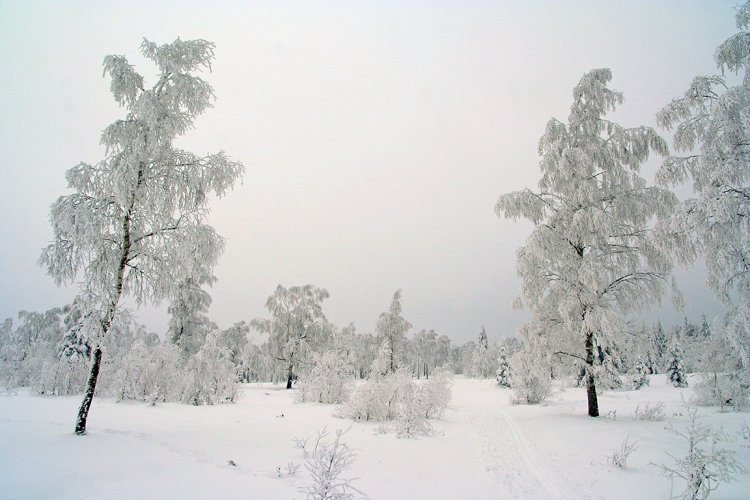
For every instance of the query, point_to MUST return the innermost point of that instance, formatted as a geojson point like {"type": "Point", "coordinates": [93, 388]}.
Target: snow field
{"type": "Point", "coordinates": [483, 447]}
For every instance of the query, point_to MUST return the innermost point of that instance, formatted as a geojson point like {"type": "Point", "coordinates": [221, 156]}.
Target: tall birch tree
{"type": "Point", "coordinates": [391, 329]}
{"type": "Point", "coordinates": [589, 258]}
{"type": "Point", "coordinates": [297, 322]}
{"type": "Point", "coordinates": [189, 323]}
{"type": "Point", "coordinates": [135, 223]}
{"type": "Point", "coordinates": [711, 124]}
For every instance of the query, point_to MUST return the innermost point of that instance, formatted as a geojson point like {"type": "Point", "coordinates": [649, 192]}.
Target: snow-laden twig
{"type": "Point", "coordinates": [706, 464]}
{"type": "Point", "coordinates": [619, 458]}
{"type": "Point", "coordinates": [651, 413]}
{"type": "Point", "coordinates": [327, 464]}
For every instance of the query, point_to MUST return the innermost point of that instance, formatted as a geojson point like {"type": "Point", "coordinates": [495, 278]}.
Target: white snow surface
{"type": "Point", "coordinates": [483, 447]}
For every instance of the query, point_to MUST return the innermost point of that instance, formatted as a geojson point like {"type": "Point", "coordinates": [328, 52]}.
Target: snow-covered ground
{"type": "Point", "coordinates": [483, 447]}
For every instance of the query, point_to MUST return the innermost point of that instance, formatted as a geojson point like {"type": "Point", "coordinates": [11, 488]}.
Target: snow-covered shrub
{"type": "Point", "coordinates": [745, 434]}
{"type": "Point", "coordinates": [411, 412]}
{"type": "Point", "coordinates": [619, 457]}
{"type": "Point", "coordinates": [210, 375]}
{"type": "Point", "coordinates": [189, 323]}
{"type": "Point", "coordinates": [148, 372]}
{"type": "Point", "coordinates": [380, 365]}
{"type": "Point", "coordinates": [652, 413]}
{"type": "Point", "coordinates": [63, 376]}
{"type": "Point", "coordinates": [579, 375]}
{"type": "Point", "coordinates": [639, 375]}
{"type": "Point", "coordinates": [370, 401]}
{"type": "Point", "coordinates": [289, 469]}
{"type": "Point", "coordinates": [375, 399]}
{"type": "Point", "coordinates": [68, 372]}
{"type": "Point", "coordinates": [722, 389]}
{"type": "Point", "coordinates": [396, 397]}
{"type": "Point", "coordinates": [503, 368]}
{"type": "Point", "coordinates": [483, 357]}
{"type": "Point", "coordinates": [606, 373]}
{"type": "Point", "coordinates": [706, 464]}
{"type": "Point", "coordinates": [531, 382]}
{"type": "Point", "coordinates": [330, 380]}
{"type": "Point", "coordinates": [675, 369]}
{"type": "Point", "coordinates": [29, 347]}
{"type": "Point", "coordinates": [726, 380]}
{"type": "Point", "coordinates": [436, 393]}
{"type": "Point", "coordinates": [327, 463]}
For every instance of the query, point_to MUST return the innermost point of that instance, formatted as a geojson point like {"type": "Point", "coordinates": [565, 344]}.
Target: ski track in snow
{"type": "Point", "coordinates": [510, 457]}
{"type": "Point", "coordinates": [197, 456]}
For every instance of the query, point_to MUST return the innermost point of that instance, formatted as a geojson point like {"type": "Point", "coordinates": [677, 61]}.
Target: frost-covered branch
{"type": "Point", "coordinates": [135, 222]}
{"type": "Point", "coordinates": [591, 256]}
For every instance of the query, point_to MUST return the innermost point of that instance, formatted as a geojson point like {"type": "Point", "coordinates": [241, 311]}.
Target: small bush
{"type": "Point", "coordinates": [373, 400]}
{"type": "Point", "coordinates": [327, 463]}
{"type": "Point", "coordinates": [745, 434]}
{"type": "Point", "coordinates": [410, 412]}
{"type": "Point", "coordinates": [210, 376]}
{"type": "Point", "coordinates": [619, 458]}
{"type": "Point", "coordinates": [63, 376]}
{"type": "Point", "coordinates": [531, 381]}
{"type": "Point", "coordinates": [639, 375]}
{"type": "Point", "coordinates": [330, 381]}
{"type": "Point", "coordinates": [437, 394]}
{"type": "Point", "coordinates": [398, 399]}
{"type": "Point", "coordinates": [145, 373]}
{"type": "Point", "coordinates": [651, 413]}
{"type": "Point", "coordinates": [723, 390]}
{"type": "Point", "coordinates": [706, 464]}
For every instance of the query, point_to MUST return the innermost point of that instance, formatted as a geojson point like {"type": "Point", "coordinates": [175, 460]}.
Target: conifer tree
{"type": "Point", "coordinates": [675, 369]}
{"type": "Point", "coordinates": [503, 368]}
{"type": "Point", "coordinates": [608, 375]}
{"type": "Point", "coordinates": [639, 375]}
{"type": "Point", "coordinates": [659, 342]}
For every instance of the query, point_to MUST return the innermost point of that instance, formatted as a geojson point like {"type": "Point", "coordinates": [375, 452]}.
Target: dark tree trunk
{"type": "Point", "coordinates": [96, 360]}
{"type": "Point", "coordinates": [83, 411]}
{"type": "Point", "coordinates": [593, 401]}
{"type": "Point", "coordinates": [290, 376]}
{"type": "Point", "coordinates": [393, 361]}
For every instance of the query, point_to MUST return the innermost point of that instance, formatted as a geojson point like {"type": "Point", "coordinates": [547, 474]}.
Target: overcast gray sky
{"type": "Point", "coordinates": [377, 137]}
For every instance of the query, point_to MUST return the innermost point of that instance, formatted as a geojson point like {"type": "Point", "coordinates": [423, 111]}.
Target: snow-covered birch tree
{"type": "Point", "coordinates": [392, 328]}
{"type": "Point", "coordinates": [484, 358]}
{"type": "Point", "coordinates": [188, 322]}
{"type": "Point", "coordinates": [589, 258]}
{"type": "Point", "coordinates": [135, 223]}
{"type": "Point", "coordinates": [711, 124]}
{"type": "Point", "coordinates": [424, 347]}
{"type": "Point", "coordinates": [296, 319]}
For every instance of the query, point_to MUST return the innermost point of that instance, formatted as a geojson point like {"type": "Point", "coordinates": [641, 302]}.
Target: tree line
{"type": "Point", "coordinates": [602, 248]}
